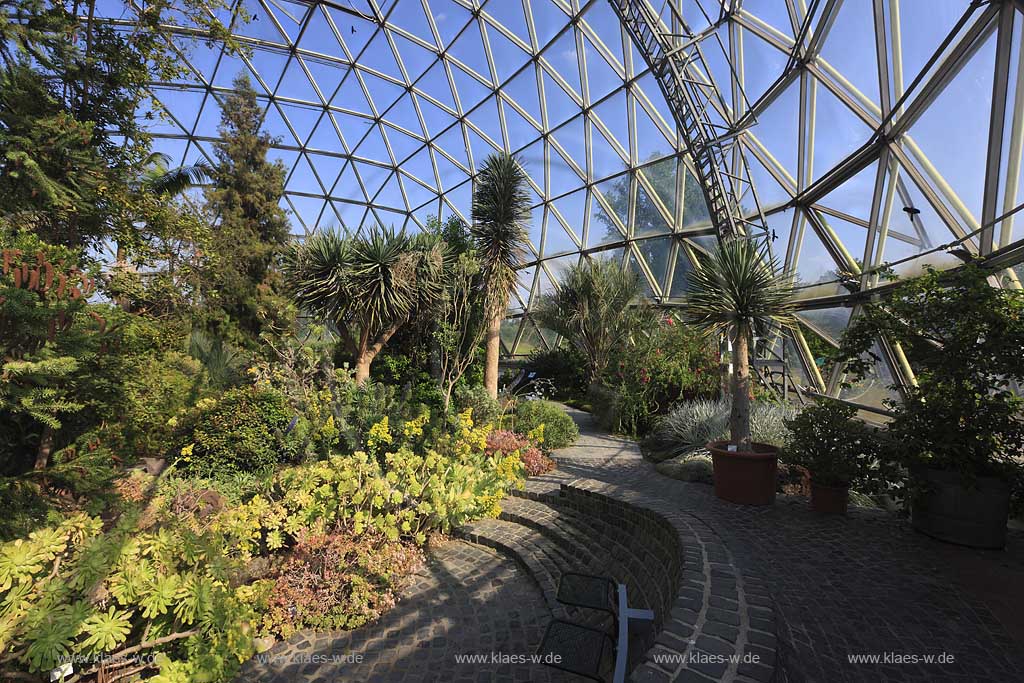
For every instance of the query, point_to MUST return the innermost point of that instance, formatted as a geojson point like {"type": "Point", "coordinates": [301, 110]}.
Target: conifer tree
{"type": "Point", "coordinates": [252, 228]}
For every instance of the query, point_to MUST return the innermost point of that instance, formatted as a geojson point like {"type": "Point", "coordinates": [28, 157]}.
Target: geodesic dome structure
{"type": "Point", "coordinates": [860, 139]}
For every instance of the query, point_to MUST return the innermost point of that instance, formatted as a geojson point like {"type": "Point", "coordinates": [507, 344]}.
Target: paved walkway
{"type": "Point", "coordinates": [468, 600]}
{"type": "Point", "coordinates": [865, 584]}
{"type": "Point", "coordinates": [861, 585]}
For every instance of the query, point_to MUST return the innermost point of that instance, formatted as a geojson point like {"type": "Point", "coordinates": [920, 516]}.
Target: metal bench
{"type": "Point", "coordinates": [583, 650]}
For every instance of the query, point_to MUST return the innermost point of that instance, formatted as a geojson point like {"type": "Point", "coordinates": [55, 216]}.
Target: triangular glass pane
{"type": "Point", "coordinates": [355, 31]}
{"type": "Point", "coordinates": [695, 205]}
{"type": "Point", "coordinates": [656, 253]}
{"type": "Point", "coordinates": [602, 228]}
{"type": "Point", "coordinates": [838, 132]}
{"type": "Point", "coordinates": [327, 75]}
{"type": "Point", "coordinates": [776, 129]}
{"type": "Point", "coordinates": [559, 105]}
{"type": "Point", "coordinates": [303, 119]}
{"type": "Point", "coordinates": [763, 63]}
{"type": "Point", "coordinates": [350, 96]}
{"type": "Point", "coordinates": [372, 147]}
{"type": "Point", "coordinates": [923, 27]}
{"type": "Point", "coordinates": [572, 209]}
{"type": "Point", "coordinates": [261, 26]}
{"type": "Point", "coordinates": [450, 18]}
{"type": "Point", "coordinates": [327, 169]}
{"type": "Point", "coordinates": [606, 160]}
{"type": "Point", "coordinates": [563, 58]}
{"type": "Point", "coordinates": [520, 131]}
{"type": "Point", "coordinates": [469, 50]}
{"type": "Point", "coordinates": [435, 85]}
{"type": "Point", "coordinates": [269, 65]}
{"type": "Point", "coordinates": [651, 142]}
{"type": "Point", "coordinates": [470, 90]}
{"type": "Point", "coordinates": [510, 16]}
{"type": "Point", "coordinates": [563, 178]}
{"type": "Point", "coordinates": [415, 59]}
{"type": "Point", "coordinates": [613, 114]}
{"type": "Point", "coordinates": [649, 219]}
{"type": "Point", "coordinates": [958, 151]}
{"type": "Point", "coordinates": [412, 19]}
{"type": "Point", "coordinates": [680, 274]}
{"type": "Point", "coordinates": [508, 57]}
{"type": "Point", "coordinates": [850, 46]}
{"type": "Point", "coordinates": [523, 91]}
{"type": "Point", "coordinates": [383, 92]}
{"type": "Point", "coordinates": [296, 85]}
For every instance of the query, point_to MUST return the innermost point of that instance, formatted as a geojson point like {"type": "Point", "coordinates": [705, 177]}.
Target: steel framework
{"type": "Point", "coordinates": [862, 139]}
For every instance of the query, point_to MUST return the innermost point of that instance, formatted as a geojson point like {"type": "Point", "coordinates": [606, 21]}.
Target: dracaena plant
{"type": "Point", "coordinates": [501, 210]}
{"type": "Point", "coordinates": [739, 291]}
{"type": "Point", "coordinates": [366, 285]}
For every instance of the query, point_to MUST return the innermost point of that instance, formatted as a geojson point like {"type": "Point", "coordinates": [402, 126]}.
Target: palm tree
{"type": "Point", "coordinates": [598, 307]}
{"type": "Point", "coordinates": [501, 209]}
{"type": "Point", "coordinates": [367, 286]}
{"type": "Point", "coordinates": [740, 291]}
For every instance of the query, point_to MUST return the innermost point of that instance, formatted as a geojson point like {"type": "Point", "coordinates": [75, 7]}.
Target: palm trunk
{"type": "Point", "coordinates": [739, 417]}
{"type": "Point", "coordinates": [493, 351]}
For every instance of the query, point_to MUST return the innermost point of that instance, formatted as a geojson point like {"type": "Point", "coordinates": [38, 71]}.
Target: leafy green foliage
{"type": "Point", "coordinates": [963, 338]}
{"type": "Point", "coordinates": [599, 307]}
{"type": "Point", "coordinates": [391, 489]}
{"type": "Point", "coordinates": [564, 366]}
{"type": "Point", "coordinates": [833, 445]}
{"type": "Point", "coordinates": [668, 364]}
{"type": "Point", "coordinates": [242, 431]}
{"type": "Point", "coordinates": [366, 285]}
{"type": "Point", "coordinates": [75, 589]}
{"type": "Point", "coordinates": [485, 409]}
{"type": "Point", "coordinates": [559, 430]}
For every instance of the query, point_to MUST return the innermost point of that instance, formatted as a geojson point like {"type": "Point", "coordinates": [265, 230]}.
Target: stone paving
{"type": "Point", "coordinates": [861, 585]}
{"type": "Point", "coordinates": [866, 584]}
{"type": "Point", "coordinates": [468, 600]}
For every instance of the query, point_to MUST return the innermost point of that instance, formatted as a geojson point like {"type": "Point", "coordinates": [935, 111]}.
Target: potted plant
{"type": "Point", "coordinates": [739, 291]}
{"type": "Point", "coordinates": [958, 430]}
{"type": "Point", "coordinates": [836, 448]}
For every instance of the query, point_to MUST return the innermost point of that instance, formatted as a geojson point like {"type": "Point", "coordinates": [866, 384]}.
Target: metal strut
{"type": "Point", "coordinates": [678, 65]}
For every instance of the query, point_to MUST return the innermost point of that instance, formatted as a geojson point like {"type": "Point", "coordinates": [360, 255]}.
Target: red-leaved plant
{"type": "Point", "coordinates": [506, 441]}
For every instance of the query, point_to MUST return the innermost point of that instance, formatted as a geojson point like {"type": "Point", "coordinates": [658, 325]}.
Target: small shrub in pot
{"type": "Point", "coordinates": [836, 448]}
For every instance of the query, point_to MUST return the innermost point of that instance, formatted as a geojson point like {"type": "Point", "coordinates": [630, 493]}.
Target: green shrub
{"type": "Point", "coordinates": [833, 445]}
{"type": "Point", "coordinates": [564, 366]}
{"type": "Point", "coordinates": [242, 431]}
{"type": "Point", "coordinates": [162, 387]}
{"type": "Point", "coordinates": [671, 364]}
{"type": "Point", "coordinates": [559, 429]}
{"type": "Point", "coordinates": [486, 410]}
{"type": "Point", "coordinates": [391, 489]}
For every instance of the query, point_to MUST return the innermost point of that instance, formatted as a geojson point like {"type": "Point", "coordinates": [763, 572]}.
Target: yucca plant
{"type": "Point", "coordinates": [366, 285]}
{"type": "Point", "coordinates": [739, 290]}
{"type": "Point", "coordinates": [501, 209]}
{"type": "Point", "coordinates": [598, 306]}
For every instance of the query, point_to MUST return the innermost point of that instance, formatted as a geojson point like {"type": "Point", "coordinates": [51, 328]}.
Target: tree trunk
{"type": "Point", "coordinates": [739, 418]}
{"type": "Point", "coordinates": [363, 361]}
{"type": "Point", "coordinates": [493, 351]}
{"type": "Point", "coordinates": [45, 448]}
{"type": "Point", "coordinates": [368, 350]}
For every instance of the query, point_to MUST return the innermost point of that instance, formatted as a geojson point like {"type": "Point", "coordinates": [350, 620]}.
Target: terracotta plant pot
{"type": "Point", "coordinates": [949, 511]}
{"type": "Point", "coordinates": [829, 500]}
{"type": "Point", "coordinates": [747, 478]}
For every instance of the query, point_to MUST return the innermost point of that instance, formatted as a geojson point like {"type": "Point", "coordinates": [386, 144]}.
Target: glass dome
{"type": "Point", "coordinates": [862, 140]}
